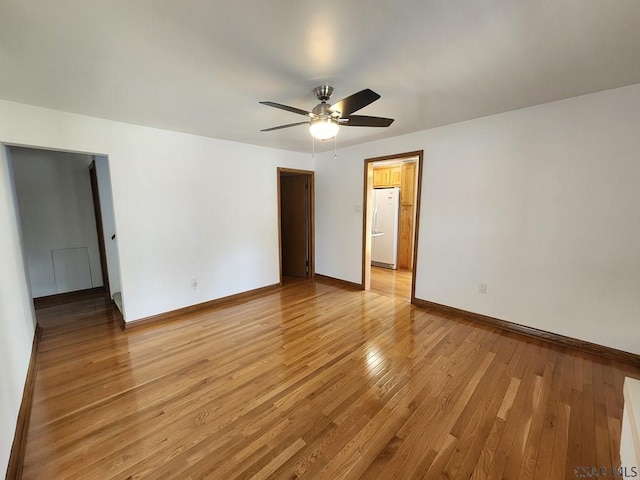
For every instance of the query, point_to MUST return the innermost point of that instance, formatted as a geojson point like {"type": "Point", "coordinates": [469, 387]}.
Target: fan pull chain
{"type": "Point", "coordinates": [313, 147]}
{"type": "Point", "coordinates": [335, 147]}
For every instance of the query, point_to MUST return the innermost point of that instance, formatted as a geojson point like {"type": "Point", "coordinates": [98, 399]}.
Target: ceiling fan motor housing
{"type": "Point", "coordinates": [323, 92]}
{"type": "Point", "coordinates": [323, 110]}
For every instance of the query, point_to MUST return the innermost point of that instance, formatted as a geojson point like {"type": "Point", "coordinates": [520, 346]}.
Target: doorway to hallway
{"type": "Point", "coordinates": [65, 212]}
{"type": "Point", "coordinates": [392, 192]}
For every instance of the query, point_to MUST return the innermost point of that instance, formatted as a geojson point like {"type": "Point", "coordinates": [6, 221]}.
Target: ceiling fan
{"type": "Point", "coordinates": [325, 119]}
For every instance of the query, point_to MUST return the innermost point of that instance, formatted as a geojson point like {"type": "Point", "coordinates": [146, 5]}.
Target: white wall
{"type": "Point", "coordinates": [56, 212]}
{"type": "Point", "coordinates": [108, 222]}
{"type": "Point", "coordinates": [540, 203]}
{"type": "Point", "coordinates": [186, 207]}
{"type": "Point", "coordinates": [17, 324]}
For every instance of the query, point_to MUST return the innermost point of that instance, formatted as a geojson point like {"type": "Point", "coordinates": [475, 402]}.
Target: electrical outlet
{"type": "Point", "coordinates": [194, 283]}
{"type": "Point", "coordinates": [482, 288]}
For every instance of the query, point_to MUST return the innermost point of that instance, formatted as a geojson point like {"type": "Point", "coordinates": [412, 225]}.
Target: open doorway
{"type": "Point", "coordinates": [61, 209]}
{"type": "Point", "coordinates": [296, 223]}
{"type": "Point", "coordinates": [392, 187]}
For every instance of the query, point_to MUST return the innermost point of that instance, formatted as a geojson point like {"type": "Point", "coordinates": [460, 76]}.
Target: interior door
{"type": "Point", "coordinates": [294, 212]}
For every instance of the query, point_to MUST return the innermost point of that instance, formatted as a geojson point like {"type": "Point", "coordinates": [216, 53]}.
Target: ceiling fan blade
{"type": "Point", "coordinates": [286, 107]}
{"type": "Point", "coordinates": [355, 102]}
{"type": "Point", "coordinates": [284, 126]}
{"type": "Point", "coordinates": [365, 121]}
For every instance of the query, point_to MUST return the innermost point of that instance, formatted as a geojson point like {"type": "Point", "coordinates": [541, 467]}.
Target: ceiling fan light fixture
{"type": "Point", "coordinates": [324, 128]}
{"type": "Point", "coordinates": [325, 120]}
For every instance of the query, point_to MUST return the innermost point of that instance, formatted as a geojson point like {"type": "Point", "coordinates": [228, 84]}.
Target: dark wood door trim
{"type": "Point", "coordinates": [365, 212]}
{"type": "Point", "coordinates": [95, 191]}
{"type": "Point", "coordinates": [311, 217]}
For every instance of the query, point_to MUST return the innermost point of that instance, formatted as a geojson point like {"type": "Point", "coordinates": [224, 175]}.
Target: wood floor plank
{"type": "Point", "coordinates": [533, 442]}
{"type": "Point", "coordinates": [574, 441]}
{"type": "Point", "coordinates": [549, 424]}
{"type": "Point", "coordinates": [603, 452]}
{"type": "Point", "coordinates": [561, 425]}
{"type": "Point", "coordinates": [315, 381]}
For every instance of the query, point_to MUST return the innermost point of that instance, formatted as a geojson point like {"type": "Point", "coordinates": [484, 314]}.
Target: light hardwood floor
{"type": "Point", "coordinates": [314, 381]}
{"type": "Point", "coordinates": [395, 283]}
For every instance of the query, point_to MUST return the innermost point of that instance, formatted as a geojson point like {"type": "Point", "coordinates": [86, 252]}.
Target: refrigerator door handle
{"type": "Point", "coordinates": [375, 220]}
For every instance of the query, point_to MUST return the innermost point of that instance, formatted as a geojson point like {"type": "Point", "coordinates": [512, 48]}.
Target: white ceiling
{"type": "Point", "coordinates": [202, 66]}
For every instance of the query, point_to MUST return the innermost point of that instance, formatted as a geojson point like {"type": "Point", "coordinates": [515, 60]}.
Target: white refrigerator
{"type": "Point", "coordinates": [384, 235]}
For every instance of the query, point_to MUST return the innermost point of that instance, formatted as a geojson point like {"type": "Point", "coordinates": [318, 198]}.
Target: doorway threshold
{"type": "Point", "coordinates": [393, 283]}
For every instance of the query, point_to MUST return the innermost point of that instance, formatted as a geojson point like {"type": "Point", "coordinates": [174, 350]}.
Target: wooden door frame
{"type": "Point", "coordinates": [368, 182]}
{"type": "Point", "coordinates": [311, 219]}
{"type": "Point", "coordinates": [97, 210]}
